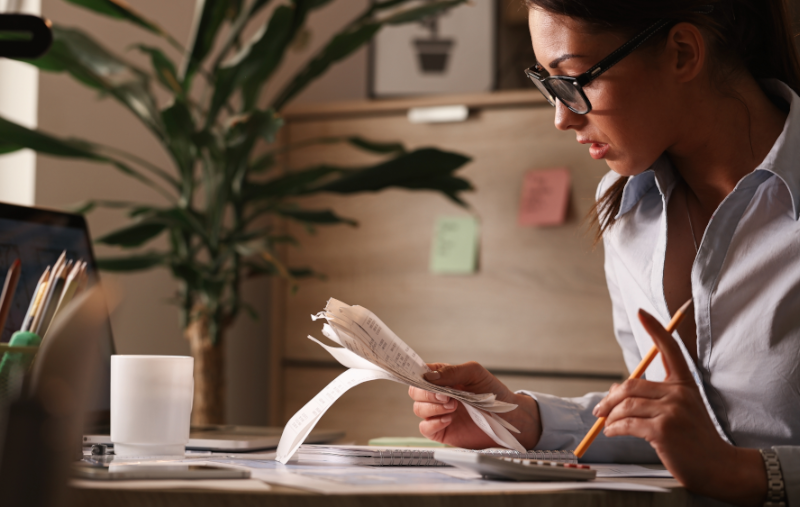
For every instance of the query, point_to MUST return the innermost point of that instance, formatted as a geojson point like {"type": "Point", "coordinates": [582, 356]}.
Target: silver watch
{"type": "Point", "coordinates": [776, 490]}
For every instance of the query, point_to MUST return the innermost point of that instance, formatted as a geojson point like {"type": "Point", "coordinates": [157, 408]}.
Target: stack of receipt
{"type": "Point", "coordinates": [373, 352]}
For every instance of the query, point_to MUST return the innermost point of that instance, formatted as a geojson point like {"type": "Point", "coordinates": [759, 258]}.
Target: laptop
{"type": "Point", "coordinates": [38, 237]}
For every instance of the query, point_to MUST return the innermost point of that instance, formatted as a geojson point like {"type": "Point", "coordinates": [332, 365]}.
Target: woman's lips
{"type": "Point", "coordinates": [598, 150]}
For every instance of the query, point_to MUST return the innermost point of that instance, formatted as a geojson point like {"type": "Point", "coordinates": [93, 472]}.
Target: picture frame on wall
{"type": "Point", "coordinates": [454, 52]}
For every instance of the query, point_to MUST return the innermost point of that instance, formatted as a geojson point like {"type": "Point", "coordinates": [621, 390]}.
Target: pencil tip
{"type": "Point", "coordinates": [685, 306]}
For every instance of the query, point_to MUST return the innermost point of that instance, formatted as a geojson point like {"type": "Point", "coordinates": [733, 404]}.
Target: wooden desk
{"type": "Point", "coordinates": [280, 496]}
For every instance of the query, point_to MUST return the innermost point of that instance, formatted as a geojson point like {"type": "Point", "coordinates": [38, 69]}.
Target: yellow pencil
{"type": "Point", "coordinates": [639, 371]}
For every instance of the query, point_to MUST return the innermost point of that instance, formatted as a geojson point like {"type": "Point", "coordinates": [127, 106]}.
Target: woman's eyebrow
{"type": "Point", "coordinates": [566, 56]}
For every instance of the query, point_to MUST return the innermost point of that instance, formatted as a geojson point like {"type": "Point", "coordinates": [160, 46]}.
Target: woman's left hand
{"type": "Point", "coordinates": [672, 416]}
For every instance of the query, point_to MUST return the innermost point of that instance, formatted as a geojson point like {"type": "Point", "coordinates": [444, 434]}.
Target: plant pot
{"type": "Point", "coordinates": [209, 372]}
{"type": "Point", "coordinates": [433, 54]}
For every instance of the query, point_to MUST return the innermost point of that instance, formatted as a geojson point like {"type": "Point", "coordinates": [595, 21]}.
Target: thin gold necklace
{"type": "Point", "coordinates": [689, 215]}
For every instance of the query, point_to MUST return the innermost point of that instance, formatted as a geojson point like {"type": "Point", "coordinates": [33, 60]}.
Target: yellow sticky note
{"type": "Point", "coordinates": [455, 245]}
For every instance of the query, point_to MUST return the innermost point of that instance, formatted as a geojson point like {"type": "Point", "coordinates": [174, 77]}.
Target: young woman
{"type": "Point", "coordinates": [694, 106]}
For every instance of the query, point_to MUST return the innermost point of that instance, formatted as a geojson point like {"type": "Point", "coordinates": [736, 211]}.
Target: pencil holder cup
{"type": "Point", "coordinates": [16, 358]}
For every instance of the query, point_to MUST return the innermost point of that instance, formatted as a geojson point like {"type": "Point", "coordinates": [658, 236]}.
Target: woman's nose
{"type": "Point", "coordinates": [567, 119]}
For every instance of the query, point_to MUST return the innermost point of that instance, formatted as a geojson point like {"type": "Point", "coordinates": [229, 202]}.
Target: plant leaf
{"type": "Point", "coordinates": [260, 56]}
{"type": "Point", "coordinates": [291, 184]}
{"type": "Point", "coordinates": [209, 15]}
{"type": "Point", "coordinates": [15, 134]}
{"type": "Point", "coordinates": [411, 169]}
{"type": "Point", "coordinates": [75, 52]}
{"type": "Point", "coordinates": [423, 11]}
{"type": "Point", "coordinates": [352, 38]}
{"type": "Point", "coordinates": [44, 143]}
{"type": "Point", "coordinates": [134, 235]}
{"type": "Point", "coordinates": [341, 46]}
{"type": "Point", "coordinates": [241, 138]}
{"type": "Point", "coordinates": [132, 263]}
{"type": "Point", "coordinates": [316, 216]}
{"type": "Point", "coordinates": [375, 146]}
{"type": "Point", "coordinates": [164, 69]}
{"type": "Point", "coordinates": [424, 169]}
{"type": "Point", "coordinates": [179, 128]}
{"type": "Point", "coordinates": [119, 9]}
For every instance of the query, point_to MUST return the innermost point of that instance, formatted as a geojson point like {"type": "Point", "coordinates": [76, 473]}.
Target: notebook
{"type": "Point", "coordinates": [408, 456]}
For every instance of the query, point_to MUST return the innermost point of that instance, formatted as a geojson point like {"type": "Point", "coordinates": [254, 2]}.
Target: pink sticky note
{"type": "Point", "coordinates": [545, 196]}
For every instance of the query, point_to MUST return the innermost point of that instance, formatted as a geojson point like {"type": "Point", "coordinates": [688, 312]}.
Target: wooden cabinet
{"type": "Point", "coordinates": [537, 311]}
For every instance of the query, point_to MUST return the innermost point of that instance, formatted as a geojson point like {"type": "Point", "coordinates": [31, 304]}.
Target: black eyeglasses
{"type": "Point", "coordinates": [569, 90]}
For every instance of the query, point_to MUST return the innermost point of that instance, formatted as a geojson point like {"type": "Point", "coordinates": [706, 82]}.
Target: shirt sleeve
{"type": "Point", "coordinates": [789, 457]}
{"type": "Point", "coordinates": [565, 421]}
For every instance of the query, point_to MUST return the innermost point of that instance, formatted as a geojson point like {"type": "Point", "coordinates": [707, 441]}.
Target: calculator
{"type": "Point", "coordinates": [515, 469]}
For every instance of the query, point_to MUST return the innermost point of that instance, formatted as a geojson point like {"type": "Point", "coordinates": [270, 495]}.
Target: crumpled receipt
{"type": "Point", "coordinates": [373, 352]}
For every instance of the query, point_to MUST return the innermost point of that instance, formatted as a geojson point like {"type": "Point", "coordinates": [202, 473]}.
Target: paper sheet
{"type": "Point", "coordinates": [455, 245]}
{"type": "Point", "coordinates": [400, 480]}
{"type": "Point", "coordinates": [609, 471]}
{"type": "Point", "coordinates": [238, 485]}
{"type": "Point", "coordinates": [545, 197]}
{"type": "Point", "coordinates": [373, 352]}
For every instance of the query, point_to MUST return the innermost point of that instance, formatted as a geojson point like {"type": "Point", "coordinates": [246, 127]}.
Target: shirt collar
{"type": "Point", "coordinates": [660, 174]}
{"type": "Point", "coordinates": [781, 160]}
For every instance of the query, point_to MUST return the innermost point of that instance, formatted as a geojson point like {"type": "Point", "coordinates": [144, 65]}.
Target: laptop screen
{"type": "Point", "coordinates": [37, 238]}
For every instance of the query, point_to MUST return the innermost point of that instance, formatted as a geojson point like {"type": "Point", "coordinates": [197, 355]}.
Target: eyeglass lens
{"type": "Point", "coordinates": [569, 93]}
{"type": "Point", "coordinates": [543, 89]}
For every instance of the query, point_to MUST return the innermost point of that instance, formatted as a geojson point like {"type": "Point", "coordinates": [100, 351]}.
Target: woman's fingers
{"type": "Point", "coordinates": [636, 388]}
{"type": "Point", "coordinates": [426, 410]}
{"type": "Point", "coordinates": [674, 361]}
{"type": "Point", "coordinates": [467, 374]}
{"type": "Point", "coordinates": [433, 429]}
{"type": "Point", "coordinates": [644, 408]}
{"type": "Point", "coordinates": [630, 426]}
{"type": "Point", "coordinates": [427, 396]}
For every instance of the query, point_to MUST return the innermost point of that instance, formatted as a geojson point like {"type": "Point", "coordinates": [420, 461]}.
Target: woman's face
{"type": "Point", "coordinates": [633, 104]}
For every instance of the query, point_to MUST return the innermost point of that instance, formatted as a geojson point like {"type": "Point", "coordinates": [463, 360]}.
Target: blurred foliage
{"type": "Point", "coordinates": [221, 191]}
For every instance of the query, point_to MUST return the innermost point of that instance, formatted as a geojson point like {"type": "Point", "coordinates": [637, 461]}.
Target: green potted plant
{"type": "Point", "coordinates": [227, 187]}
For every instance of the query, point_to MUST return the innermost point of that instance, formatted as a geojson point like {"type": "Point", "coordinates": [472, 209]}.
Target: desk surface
{"type": "Point", "coordinates": [281, 496]}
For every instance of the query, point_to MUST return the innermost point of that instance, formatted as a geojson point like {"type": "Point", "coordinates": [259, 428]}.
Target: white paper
{"type": "Point", "coordinates": [614, 470]}
{"type": "Point", "coordinates": [238, 485]}
{"type": "Point", "coordinates": [301, 423]}
{"type": "Point", "coordinates": [373, 352]}
{"type": "Point", "coordinates": [340, 479]}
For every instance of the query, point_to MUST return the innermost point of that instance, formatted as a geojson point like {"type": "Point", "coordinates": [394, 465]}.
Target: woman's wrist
{"type": "Point", "coordinates": [527, 420]}
{"type": "Point", "coordinates": [742, 481]}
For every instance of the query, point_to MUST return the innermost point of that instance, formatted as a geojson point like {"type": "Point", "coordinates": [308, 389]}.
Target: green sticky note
{"type": "Point", "coordinates": [455, 245]}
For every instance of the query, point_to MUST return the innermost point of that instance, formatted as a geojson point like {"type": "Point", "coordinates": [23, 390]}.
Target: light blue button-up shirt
{"type": "Point", "coordinates": [746, 290]}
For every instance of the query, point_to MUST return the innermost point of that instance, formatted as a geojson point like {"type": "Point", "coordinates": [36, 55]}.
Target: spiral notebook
{"type": "Point", "coordinates": [407, 456]}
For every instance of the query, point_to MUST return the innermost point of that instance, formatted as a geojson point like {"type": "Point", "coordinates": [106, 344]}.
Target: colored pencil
{"type": "Point", "coordinates": [70, 285]}
{"type": "Point", "coordinates": [29, 314]}
{"type": "Point", "coordinates": [36, 305]}
{"type": "Point", "coordinates": [9, 287]}
{"type": "Point", "coordinates": [639, 371]}
{"type": "Point", "coordinates": [51, 301]}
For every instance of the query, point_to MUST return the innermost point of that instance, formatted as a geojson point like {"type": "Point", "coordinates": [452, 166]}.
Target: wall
{"type": "Point", "coordinates": [18, 102]}
{"type": "Point", "coordinates": [145, 322]}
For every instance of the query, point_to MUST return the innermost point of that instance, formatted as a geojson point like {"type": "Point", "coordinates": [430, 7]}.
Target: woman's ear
{"type": "Point", "coordinates": [687, 50]}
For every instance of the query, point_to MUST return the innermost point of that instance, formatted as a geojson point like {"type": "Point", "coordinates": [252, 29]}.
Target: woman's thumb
{"type": "Point", "coordinates": [448, 375]}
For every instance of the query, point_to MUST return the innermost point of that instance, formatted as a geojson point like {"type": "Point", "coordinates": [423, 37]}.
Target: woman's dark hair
{"type": "Point", "coordinates": [755, 35]}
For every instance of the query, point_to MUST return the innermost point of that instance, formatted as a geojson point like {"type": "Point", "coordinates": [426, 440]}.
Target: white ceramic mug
{"type": "Point", "coordinates": [151, 404]}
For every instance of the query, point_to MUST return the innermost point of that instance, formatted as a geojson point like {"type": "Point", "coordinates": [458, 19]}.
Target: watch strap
{"type": "Point", "coordinates": [776, 489]}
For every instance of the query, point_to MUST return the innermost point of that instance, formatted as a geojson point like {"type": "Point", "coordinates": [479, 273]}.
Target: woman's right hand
{"type": "Point", "coordinates": [445, 420]}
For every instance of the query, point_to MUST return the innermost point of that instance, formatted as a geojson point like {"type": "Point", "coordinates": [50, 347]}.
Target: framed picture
{"type": "Point", "coordinates": [451, 53]}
